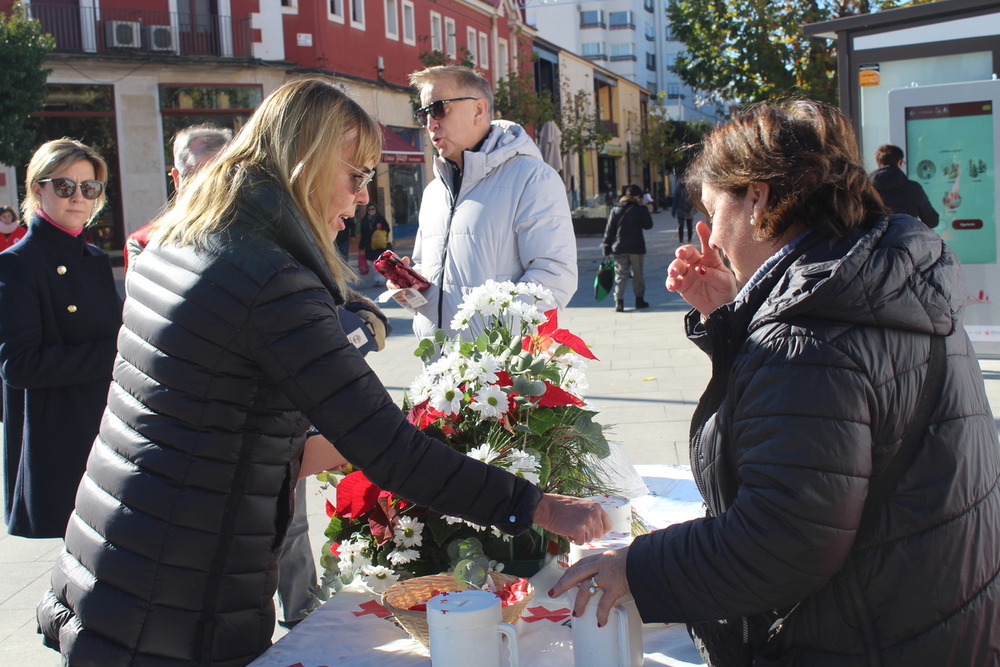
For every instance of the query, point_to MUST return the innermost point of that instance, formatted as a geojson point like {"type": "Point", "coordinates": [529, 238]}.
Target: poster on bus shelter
{"type": "Point", "coordinates": [949, 151]}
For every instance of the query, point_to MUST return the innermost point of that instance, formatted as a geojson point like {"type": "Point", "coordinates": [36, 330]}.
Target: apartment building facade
{"type": "Point", "coordinates": [631, 38]}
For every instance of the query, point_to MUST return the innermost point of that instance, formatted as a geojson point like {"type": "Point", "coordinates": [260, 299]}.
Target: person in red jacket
{"type": "Point", "coordinates": [11, 230]}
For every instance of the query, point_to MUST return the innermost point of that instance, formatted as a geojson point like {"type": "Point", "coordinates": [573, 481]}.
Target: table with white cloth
{"type": "Point", "coordinates": [353, 628]}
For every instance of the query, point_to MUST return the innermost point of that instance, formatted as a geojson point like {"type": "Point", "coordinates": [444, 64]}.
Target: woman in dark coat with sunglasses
{"type": "Point", "coordinates": [59, 318]}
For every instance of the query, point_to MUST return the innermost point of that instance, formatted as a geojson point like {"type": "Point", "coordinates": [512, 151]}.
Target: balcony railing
{"type": "Point", "coordinates": [593, 24]}
{"type": "Point", "coordinates": [596, 56]}
{"type": "Point", "coordinates": [107, 30]}
{"type": "Point", "coordinates": [622, 26]}
{"type": "Point", "coordinates": [622, 57]}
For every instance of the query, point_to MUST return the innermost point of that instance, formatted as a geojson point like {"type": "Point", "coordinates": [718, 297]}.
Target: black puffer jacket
{"type": "Point", "coordinates": [226, 355]}
{"type": "Point", "coordinates": [815, 378]}
{"type": "Point", "coordinates": [623, 233]}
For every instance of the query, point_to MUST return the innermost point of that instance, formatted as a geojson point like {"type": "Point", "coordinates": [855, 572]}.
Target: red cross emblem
{"type": "Point", "coordinates": [541, 614]}
{"type": "Point", "coordinates": [372, 607]}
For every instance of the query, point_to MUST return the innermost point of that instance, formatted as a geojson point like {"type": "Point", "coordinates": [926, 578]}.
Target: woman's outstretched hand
{"type": "Point", "coordinates": [579, 519]}
{"type": "Point", "coordinates": [606, 573]}
{"type": "Point", "coordinates": [701, 277]}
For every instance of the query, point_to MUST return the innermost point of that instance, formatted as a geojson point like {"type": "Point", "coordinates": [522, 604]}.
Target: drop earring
{"type": "Point", "coordinates": [753, 219]}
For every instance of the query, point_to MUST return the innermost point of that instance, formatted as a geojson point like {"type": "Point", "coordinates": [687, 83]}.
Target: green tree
{"type": "Point", "coordinates": [516, 100]}
{"type": "Point", "coordinates": [751, 50]}
{"type": "Point", "coordinates": [667, 143]}
{"type": "Point", "coordinates": [23, 49]}
{"type": "Point", "coordinates": [581, 128]}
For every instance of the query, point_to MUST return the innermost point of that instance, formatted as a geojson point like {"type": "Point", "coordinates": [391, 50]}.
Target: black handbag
{"type": "Point", "coordinates": [734, 642]}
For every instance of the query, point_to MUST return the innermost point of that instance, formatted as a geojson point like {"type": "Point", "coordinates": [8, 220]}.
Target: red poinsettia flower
{"type": "Point", "coordinates": [423, 415]}
{"type": "Point", "coordinates": [549, 332]}
{"type": "Point", "coordinates": [356, 496]}
{"type": "Point", "coordinates": [555, 396]}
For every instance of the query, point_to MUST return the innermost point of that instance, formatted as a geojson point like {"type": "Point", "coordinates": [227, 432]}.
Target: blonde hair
{"type": "Point", "coordinates": [470, 80]}
{"type": "Point", "coordinates": [296, 138]}
{"type": "Point", "coordinates": [54, 157]}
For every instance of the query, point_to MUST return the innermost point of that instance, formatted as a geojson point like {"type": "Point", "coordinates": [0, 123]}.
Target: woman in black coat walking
{"type": "Point", "coordinates": [59, 317]}
{"type": "Point", "coordinates": [230, 355]}
{"type": "Point", "coordinates": [624, 239]}
{"type": "Point", "coordinates": [374, 236]}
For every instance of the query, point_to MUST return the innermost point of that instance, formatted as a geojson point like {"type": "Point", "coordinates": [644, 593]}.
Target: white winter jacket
{"type": "Point", "coordinates": [510, 221]}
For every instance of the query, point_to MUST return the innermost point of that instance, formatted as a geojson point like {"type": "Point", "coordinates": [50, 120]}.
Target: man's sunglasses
{"type": "Point", "coordinates": [65, 187]}
{"type": "Point", "coordinates": [365, 176]}
{"type": "Point", "coordinates": [436, 110]}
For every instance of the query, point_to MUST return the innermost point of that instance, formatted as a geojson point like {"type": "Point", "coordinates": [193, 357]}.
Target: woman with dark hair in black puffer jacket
{"type": "Point", "coordinates": [834, 536]}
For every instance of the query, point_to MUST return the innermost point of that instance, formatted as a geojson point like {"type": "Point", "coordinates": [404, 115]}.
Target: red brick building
{"type": "Point", "coordinates": [127, 74]}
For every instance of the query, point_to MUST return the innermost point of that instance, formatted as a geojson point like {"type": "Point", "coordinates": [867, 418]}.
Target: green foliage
{"type": "Point", "coordinates": [23, 49]}
{"type": "Point", "coordinates": [669, 143]}
{"type": "Point", "coordinates": [517, 101]}
{"type": "Point", "coordinates": [752, 50]}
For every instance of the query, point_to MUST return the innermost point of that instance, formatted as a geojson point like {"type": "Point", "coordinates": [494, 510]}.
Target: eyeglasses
{"type": "Point", "coordinates": [65, 187]}
{"type": "Point", "coordinates": [436, 110]}
{"type": "Point", "coordinates": [365, 176]}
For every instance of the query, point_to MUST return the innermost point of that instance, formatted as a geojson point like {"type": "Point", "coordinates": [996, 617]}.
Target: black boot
{"type": "Point", "coordinates": [620, 306]}
{"type": "Point", "coordinates": [640, 303]}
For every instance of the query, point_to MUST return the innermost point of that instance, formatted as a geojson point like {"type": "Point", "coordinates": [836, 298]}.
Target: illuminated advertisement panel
{"type": "Point", "coordinates": [950, 135]}
{"type": "Point", "coordinates": [949, 151]}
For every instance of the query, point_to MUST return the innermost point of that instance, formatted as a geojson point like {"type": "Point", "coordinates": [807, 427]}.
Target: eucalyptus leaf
{"type": "Point", "coordinates": [482, 342]}
{"type": "Point", "coordinates": [593, 434]}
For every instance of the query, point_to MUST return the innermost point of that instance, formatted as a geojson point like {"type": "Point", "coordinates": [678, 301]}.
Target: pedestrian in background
{"type": "Point", "coordinates": [624, 240]}
{"type": "Point", "coordinates": [193, 148]}
{"type": "Point", "coordinates": [900, 194]}
{"type": "Point", "coordinates": [11, 230]}
{"type": "Point", "coordinates": [59, 317]}
{"type": "Point", "coordinates": [374, 237]}
{"type": "Point", "coordinates": [683, 211]}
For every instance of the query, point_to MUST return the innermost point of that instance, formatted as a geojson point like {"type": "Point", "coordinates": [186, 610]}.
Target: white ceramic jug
{"type": "Point", "coordinates": [465, 629]}
{"type": "Point", "coordinates": [617, 644]}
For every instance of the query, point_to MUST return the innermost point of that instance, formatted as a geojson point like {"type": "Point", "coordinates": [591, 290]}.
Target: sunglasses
{"type": "Point", "coordinates": [365, 176]}
{"type": "Point", "coordinates": [436, 110]}
{"type": "Point", "coordinates": [65, 187]}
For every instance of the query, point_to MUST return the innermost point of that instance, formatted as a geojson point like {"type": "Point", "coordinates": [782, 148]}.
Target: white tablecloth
{"type": "Point", "coordinates": [352, 628]}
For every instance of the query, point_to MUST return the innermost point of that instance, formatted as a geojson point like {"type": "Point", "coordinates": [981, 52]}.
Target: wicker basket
{"type": "Point", "coordinates": [402, 595]}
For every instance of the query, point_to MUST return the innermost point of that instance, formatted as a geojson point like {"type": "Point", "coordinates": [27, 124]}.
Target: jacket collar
{"type": "Point", "coordinates": [41, 228]}
{"type": "Point", "coordinates": [273, 214]}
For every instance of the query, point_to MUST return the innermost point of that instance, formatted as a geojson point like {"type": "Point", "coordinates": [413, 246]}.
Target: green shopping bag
{"type": "Point", "coordinates": [605, 278]}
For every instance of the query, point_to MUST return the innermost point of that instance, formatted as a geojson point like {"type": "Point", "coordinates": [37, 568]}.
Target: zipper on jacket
{"type": "Point", "coordinates": [696, 450]}
{"type": "Point", "coordinates": [444, 256]}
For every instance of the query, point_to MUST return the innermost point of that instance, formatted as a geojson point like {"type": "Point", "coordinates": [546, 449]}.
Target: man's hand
{"type": "Point", "coordinates": [578, 519]}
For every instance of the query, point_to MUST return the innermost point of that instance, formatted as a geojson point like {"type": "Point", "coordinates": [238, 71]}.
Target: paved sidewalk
{"type": "Point", "coordinates": [647, 382]}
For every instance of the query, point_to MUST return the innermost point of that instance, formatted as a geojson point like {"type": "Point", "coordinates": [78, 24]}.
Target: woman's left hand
{"type": "Point", "coordinates": [606, 573]}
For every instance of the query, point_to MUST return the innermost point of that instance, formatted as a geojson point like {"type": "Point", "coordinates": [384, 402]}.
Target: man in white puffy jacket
{"type": "Point", "coordinates": [496, 209]}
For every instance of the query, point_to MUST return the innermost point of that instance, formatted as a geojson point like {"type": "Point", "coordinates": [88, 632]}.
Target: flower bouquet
{"type": "Point", "coordinates": [511, 397]}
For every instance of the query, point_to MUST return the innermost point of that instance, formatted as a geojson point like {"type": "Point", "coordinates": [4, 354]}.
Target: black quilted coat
{"type": "Point", "coordinates": [816, 374]}
{"type": "Point", "coordinates": [226, 355]}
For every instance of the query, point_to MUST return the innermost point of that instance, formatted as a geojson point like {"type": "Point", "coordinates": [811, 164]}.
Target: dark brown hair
{"type": "Point", "coordinates": [888, 155]}
{"type": "Point", "coordinates": [805, 151]}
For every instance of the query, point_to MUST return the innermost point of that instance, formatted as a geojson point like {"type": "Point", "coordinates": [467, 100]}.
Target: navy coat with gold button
{"type": "Point", "coordinates": [59, 318]}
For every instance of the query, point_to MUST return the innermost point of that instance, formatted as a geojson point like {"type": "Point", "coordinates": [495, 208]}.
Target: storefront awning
{"type": "Point", "coordinates": [397, 150]}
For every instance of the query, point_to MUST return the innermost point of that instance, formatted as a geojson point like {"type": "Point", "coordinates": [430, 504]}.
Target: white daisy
{"type": "Point", "coordinates": [525, 465]}
{"type": "Point", "coordinates": [408, 532]}
{"type": "Point", "coordinates": [490, 402]}
{"type": "Point", "coordinates": [403, 556]}
{"type": "Point", "coordinates": [483, 453]}
{"type": "Point", "coordinates": [485, 368]}
{"type": "Point", "coordinates": [445, 396]}
{"type": "Point", "coordinates": [379, 578]}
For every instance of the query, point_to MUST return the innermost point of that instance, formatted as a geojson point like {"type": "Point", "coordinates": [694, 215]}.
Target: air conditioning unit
{"type": "Point", "coordinates": [123, 34]}
{"type": "Point", "coordinates": [160, 38]}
